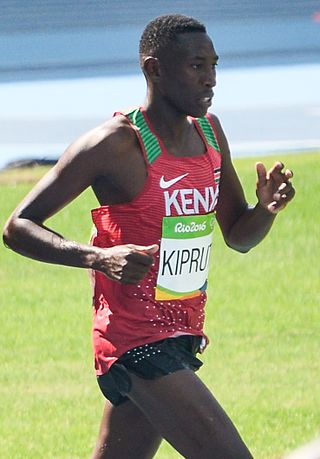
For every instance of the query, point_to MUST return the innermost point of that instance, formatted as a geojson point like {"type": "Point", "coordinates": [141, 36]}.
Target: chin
{"type": "Point", "coordinates": [195, 110]}
{"type": "Point", "coordinates": [198, 113]}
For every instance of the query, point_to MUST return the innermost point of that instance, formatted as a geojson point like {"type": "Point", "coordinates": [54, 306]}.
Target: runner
{"type": "Point", "coordinates": [162, 175]}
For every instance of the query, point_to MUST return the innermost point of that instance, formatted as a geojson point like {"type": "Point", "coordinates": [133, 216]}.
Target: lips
{"type": "Point", "coordinates": [206, 101]}
{"type": "Point", "coordinates": [208, 94]}
{"type": "Point", "coordinates": [207, 98]}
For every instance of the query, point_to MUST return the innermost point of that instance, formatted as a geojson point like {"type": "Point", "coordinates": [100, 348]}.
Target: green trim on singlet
{"type": "Point", "coordinates": [208, 132]}
{"type": "Point", "coordinates": [150, 141]}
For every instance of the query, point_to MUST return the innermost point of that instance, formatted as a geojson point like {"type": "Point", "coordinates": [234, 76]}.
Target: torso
{"type": "Point", "coordinates": [172, 186]}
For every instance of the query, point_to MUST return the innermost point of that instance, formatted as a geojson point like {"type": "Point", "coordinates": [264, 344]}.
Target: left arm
{"type": "Point", "coordinates": [244, 226]}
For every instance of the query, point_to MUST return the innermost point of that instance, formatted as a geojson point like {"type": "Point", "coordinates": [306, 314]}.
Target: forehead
{"type": "Point", "coordinates": [193, 44]}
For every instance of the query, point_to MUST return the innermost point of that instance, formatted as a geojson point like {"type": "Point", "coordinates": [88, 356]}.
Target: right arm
{"type": "Point", "coordinates": [26, 233]}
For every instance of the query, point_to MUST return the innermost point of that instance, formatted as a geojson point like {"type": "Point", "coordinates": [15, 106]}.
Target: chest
{"type": "Point", "coordinates": [180, 184]}
{"type": "Point", "coordinates": [184, 186]}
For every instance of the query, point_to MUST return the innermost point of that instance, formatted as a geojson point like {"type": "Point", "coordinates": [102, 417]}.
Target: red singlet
{"type": "Point", "coordinates": [175, 210]}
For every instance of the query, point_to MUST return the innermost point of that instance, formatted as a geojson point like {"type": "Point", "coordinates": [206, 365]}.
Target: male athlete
{"type": "Point", "coordinates": [162, 174]}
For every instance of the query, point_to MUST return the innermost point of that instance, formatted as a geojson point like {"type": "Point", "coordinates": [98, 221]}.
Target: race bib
{"type": "Point", "coordinates": [184, 256]}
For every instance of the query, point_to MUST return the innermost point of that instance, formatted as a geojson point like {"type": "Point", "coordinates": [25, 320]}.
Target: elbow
{"type": "Point", "coordinates": [7, 235]}
{"type": "Point", "coordinates": [10, 235]}
{"type": "Point", "coordinates": [241, 248]}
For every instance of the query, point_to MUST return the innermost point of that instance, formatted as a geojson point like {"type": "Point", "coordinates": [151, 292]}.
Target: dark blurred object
{"type": "Point", "coordinates": [30, 163]}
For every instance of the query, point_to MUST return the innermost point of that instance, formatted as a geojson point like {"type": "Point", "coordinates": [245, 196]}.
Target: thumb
{"type": "Point", "coordinates": [149, 249]}
{"type": "Point", "coordinates": [262, 174]}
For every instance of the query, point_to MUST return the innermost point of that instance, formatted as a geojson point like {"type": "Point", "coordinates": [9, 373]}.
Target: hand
{"type": "Point", "coordinates": [127, 264]}
{"type": "Point", "coordinates": [274, 189]}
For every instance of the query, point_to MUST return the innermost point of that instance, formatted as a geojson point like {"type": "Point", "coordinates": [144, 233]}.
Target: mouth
{"type": "Point", "coordinates": [207, 96]}
{"type": "Point", "coordinates": [207, 100]}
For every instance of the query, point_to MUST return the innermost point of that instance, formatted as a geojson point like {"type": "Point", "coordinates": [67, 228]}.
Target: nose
{"type": "Point", "coordinates": [210, 78]}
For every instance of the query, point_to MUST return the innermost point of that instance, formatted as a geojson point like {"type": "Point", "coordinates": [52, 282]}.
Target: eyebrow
{"type": "Point", "coordinates": [201, 58]}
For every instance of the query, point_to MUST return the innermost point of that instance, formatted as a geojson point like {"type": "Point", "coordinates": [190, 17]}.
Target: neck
{"type": "Point", "coordinates": [166, 120]}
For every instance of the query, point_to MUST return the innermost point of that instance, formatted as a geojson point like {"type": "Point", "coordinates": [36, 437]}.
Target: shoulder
{"type": "Point", "coordinates": [114, 132]}
{"type": "Point", "coordinates": [96, 149]}
{"type": "Point", "coordinates": [221, 137]}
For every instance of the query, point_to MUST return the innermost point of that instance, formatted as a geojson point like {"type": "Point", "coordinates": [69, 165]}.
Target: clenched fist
{"type": "Point", "coordinates": [127, 264]}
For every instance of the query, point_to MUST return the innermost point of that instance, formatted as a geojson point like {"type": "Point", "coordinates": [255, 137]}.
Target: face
{"type": "Point", "coordinates": [188, 74]}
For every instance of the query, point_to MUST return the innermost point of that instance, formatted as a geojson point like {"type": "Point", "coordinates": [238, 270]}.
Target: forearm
{"type": "Point", "coordinates": [126, 263]}
{"type": "Point", "coordinates": [33, 240]}
{"type": "Point", "coordinates": [250, 228]}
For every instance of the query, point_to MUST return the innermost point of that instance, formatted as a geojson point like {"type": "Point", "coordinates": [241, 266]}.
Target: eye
{"type": "Point", "coordinates": [196, 66]}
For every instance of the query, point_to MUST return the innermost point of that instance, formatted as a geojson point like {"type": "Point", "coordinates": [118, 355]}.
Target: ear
{"type": "Point", "coordinates": [151, 68]}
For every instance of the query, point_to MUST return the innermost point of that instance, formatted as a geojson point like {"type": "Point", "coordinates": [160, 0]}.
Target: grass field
{"type": "Point", "coordinates": [263, 319]}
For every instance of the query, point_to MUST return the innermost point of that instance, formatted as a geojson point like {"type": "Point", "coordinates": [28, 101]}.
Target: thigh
{"type": "Point", "coordinates": [186, 414]}
{"type": "Point", "coordinates": [125, 432]}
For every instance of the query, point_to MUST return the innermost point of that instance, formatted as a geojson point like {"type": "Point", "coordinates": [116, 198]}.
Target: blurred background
{"type": "Point", "coordinates": [66, 66]}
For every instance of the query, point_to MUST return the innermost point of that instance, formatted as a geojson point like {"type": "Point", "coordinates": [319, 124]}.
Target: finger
{"type": "Point", "coordinates": [277, 167]}
{"type": "Point", "coordinates": [153, 249]}
{"type": "Point", "coordinates": [281, 201]}
{"type": "Point", "coordinates": [272, 207]}
{"type": "Point", "coordinates": [286, 197]}
{"type": "Point", "coordinates": [134, 274]}
{"type": "Point", "coordinates": [136, 270]}
{"type": "Point", "coordinates": [262, 174]}
{"type": "Point", "coordinates": [140, 258]}
{"type": "Point", "coordinates": [143, 254]}
{"type": "Point", "coordinates": [282, 190]}
{"type": "Point", "coordinates": [149, 249]}
{"type": "Point", "coordinates": [288, 174]}
{"type": "Point", "coordinates": [275, 206]}
{"type": "Point", "coordinates": [278, 175]}
{"type": "Point", "coordinates": [130, 273]}
{"type": "Point", "coordinates": [285, 189]}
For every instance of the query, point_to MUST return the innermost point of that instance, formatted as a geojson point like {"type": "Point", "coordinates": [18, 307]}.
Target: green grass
{"type": "Point", "coordinates": [262, 318]}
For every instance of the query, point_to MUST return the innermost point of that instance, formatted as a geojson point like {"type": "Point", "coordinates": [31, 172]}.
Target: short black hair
{"type": "Point", "coordinates": [164, 29]}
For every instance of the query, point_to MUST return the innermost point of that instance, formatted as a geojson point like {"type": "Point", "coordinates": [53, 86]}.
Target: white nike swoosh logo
{"type": "Point", "coordinates": [168, 183]}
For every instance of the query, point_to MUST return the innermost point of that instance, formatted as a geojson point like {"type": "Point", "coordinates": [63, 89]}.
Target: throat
{"type": "Point", "coordinates": [189, 143]}
{"type": "Point", "coordinates": [179, 136]}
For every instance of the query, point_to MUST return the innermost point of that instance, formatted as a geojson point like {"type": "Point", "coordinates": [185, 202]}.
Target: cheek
{"type": "Point", "coordinates": [178, 80]}
{"type": "Point", "coordinates": [182, 89]}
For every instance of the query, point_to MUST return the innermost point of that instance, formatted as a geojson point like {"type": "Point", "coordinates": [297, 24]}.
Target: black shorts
{"type": "Point", "coordinates": [150, 361]}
